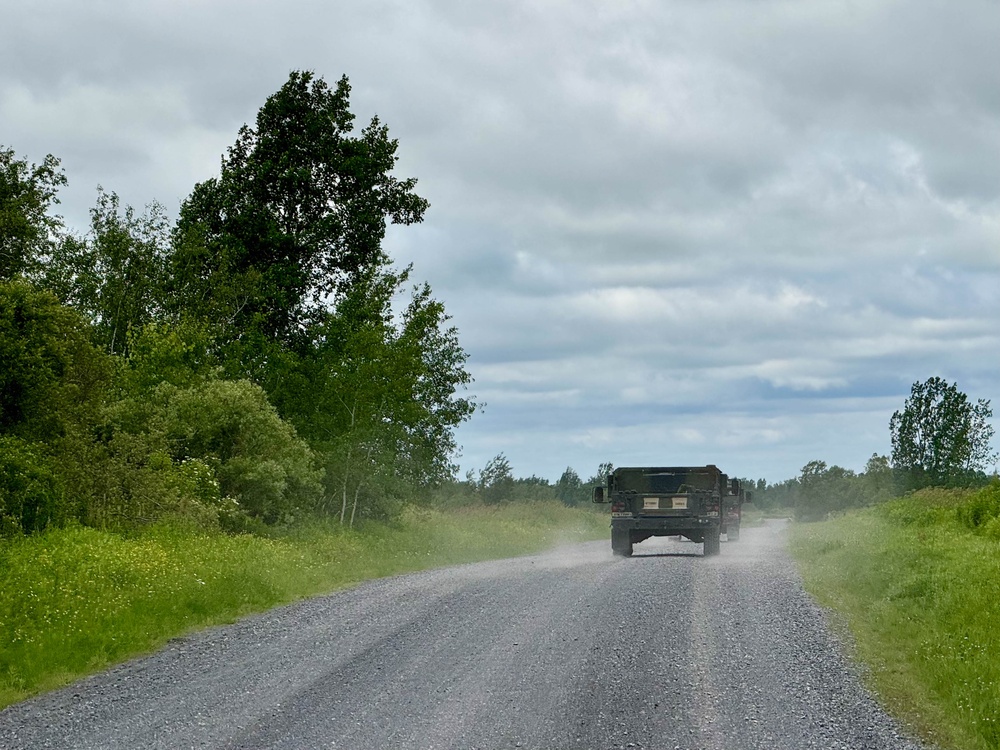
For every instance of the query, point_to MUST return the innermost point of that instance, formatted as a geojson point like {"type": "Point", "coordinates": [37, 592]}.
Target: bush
{"type": "Point", "coordinates": [982, 510]}
{"type": "Point", "coordinates": [52, 378]}
{"type": "Point", "coordinates": [259, 459]}
{"type": "Point", "coordinates": [31, 496]}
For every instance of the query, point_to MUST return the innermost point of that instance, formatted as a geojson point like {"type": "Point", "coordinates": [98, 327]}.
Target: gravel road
{"type": "Point", "coordinates": [571, 649]}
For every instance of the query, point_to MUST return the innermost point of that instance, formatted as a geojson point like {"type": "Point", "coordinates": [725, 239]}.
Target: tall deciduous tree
{"type": "Point", "coordinates": [378, 396]}
{"type": "Point", "coordinates": [601, 475]}
{"type": "Point", "coordinates": [115, 274]}
{"type": "Point", "coordinates": [569, 487]}
{"type": "Point", "coordinates": [496, 480]}
{"type": "Point", "coordinates": [282, 256]}
{"type": "Point", "coordinates": [296, 217]}
{"type": "Point", "coordinates": [940, 437]}
{"type": "Point", "coordinates": [27, 228]}
{"type": "Point", "coordinates": [437, 374]}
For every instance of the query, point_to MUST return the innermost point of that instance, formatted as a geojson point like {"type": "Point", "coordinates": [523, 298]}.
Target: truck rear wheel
{"type": "Point", "coordinates": [734, 533]}
{"type": "Point", "coordinates": [712, 545]}
{"type": "Point", "coordinates": [621, 542]}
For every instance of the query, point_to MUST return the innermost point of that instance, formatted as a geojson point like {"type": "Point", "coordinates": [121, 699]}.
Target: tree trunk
{"type": "Point", "coordinates": [354, 508]}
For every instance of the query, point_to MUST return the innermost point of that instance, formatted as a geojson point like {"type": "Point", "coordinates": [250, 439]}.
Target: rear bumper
{"type": "Point", "coordinates": [667, 524]}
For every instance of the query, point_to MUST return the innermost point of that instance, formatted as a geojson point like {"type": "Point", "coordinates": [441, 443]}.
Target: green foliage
{"type": "Point", "coordinates": [28, 230]}
{"type": "Point", "coordinates": [378, 399]}
{"type": "Point", "coordinates": [982, 511]}
{"type": "Point", "coordinates": [298, 214]}
{"type": "Point", "coordinates": [52, 378]}
{"type": "Point", "coordinates": [497, 485]}
{"type": "Point", "coordinates": [178, 353]}
{"type": "Point", "coordinates": [569, 487]}
{"type": "Point", "coordinates": [31, 495]}
{"type": "Point", "coordinates": [115, 275]}
{"type": "Point", "coordinates": [496, 481]}
{"type": "Point", "coordinates": [493, 488]}
{"type": "Point", "coordinates": [127, 480]}
{"type": "Point", "coordinates": [262, 468]}
{"type": "Point", "coordinates": [877, 483]}
{"type": "Point", "coordinates": [940, 438]}
{"type": "Point", "coordinates": [533, 489]}
{"type": "Point", "coordinates": [272, 289]}
{"type": "Point", "coordinates": [927, 507]}
{"type": "Point", "coordinates": [778, 496]}
{"type": "Point", "coordinates": [821, 490]}
{"type": "Point", "coordinates": [825, 489]}
{"type": "Point", "coordinates": [817, 492]}
{"type": "Point", "coordinates": [281, 257]}
{"type": "Point", "coordinates": [601, 477]}
{"type": "Point", "coordinates": [436, 368]}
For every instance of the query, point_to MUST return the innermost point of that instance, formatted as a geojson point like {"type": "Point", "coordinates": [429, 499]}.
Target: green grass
{"type": "Point", "coordinates": [74, 601]}
{"type": "Point", "coordinates": [919, 592]}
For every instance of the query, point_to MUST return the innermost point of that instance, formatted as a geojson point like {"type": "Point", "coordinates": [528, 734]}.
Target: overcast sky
{"type": "Point", "coordinates": [669, 232]}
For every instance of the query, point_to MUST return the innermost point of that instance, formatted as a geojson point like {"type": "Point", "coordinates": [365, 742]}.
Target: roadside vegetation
{"type": "Point", "coordinates": [916, 582]}
{"type": "Point", "coordinates": [75, 600]}
{"type": "Point", "coordinates": [940, 439]}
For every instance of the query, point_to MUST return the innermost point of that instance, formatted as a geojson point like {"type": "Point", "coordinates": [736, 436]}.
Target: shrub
{"type": "Point", "coordinates": [52, 378]}
{"type": "Point", "coordinates": [925, 507]}
{"type": "Point", "coordinates": [982, 510]}
{"type": "Point", "coordinates": [31, 496]}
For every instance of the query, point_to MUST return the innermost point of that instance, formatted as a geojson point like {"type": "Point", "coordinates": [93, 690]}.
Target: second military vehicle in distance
{"type": "Point", "coordinates": [696, 502]}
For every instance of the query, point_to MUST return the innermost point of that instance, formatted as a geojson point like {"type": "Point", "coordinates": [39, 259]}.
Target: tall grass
{"type": "Point", "coordinates": [917, 582]}
{"type": "Point", "coordinates": [73, 601]}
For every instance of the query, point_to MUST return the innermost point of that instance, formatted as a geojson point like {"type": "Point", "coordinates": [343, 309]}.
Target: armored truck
{"type": "Point", "coordinates": [696, 502]}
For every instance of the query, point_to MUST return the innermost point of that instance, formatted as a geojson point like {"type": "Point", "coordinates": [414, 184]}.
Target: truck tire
{"type": "Point", "coordinates": [734, 533]}
{"type": "Point", "coordinates": [712, 545]}
{"type": "Point", "coordinates": [621, 542]}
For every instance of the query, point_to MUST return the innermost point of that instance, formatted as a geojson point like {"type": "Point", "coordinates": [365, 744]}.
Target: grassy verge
{"type": "Point", "coordinates": [74, 601]}
{"type": "Point", "coordinates": [919, 591]}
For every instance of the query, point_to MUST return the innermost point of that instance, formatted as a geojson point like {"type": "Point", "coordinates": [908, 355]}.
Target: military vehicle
{"type": "Point", "coordinates": [696, 502]}
{"type": "Point", "coordinates": [734, 510]}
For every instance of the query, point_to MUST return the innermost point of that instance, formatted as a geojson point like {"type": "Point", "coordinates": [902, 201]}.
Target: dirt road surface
{"type": "Point", "coordinates": [570, 649]}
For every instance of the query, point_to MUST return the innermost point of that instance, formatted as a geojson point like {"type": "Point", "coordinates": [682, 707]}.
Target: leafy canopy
{"type": "Point", "coordinates": [296, 217]}
{"type": "Point", "coordinates": [27, 228]}
{"type": "Point", "coordinates": [256, 360]}
{"type": "Point", "coordinates": [52, 378]}
{"type": "Point", "coordinates": [115, 274]}
{"type": "Point", "coordinates": [940, 437]}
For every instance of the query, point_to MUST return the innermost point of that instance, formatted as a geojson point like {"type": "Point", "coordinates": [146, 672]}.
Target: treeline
{"type": "Point", "coordinates": [940, 438]}
{"type": "Point", "coordinates": [242, 366]}
{"type": "Point", "coordinates": [821, 489]}
{"type": "Point", "coordinates": [496, 484]}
